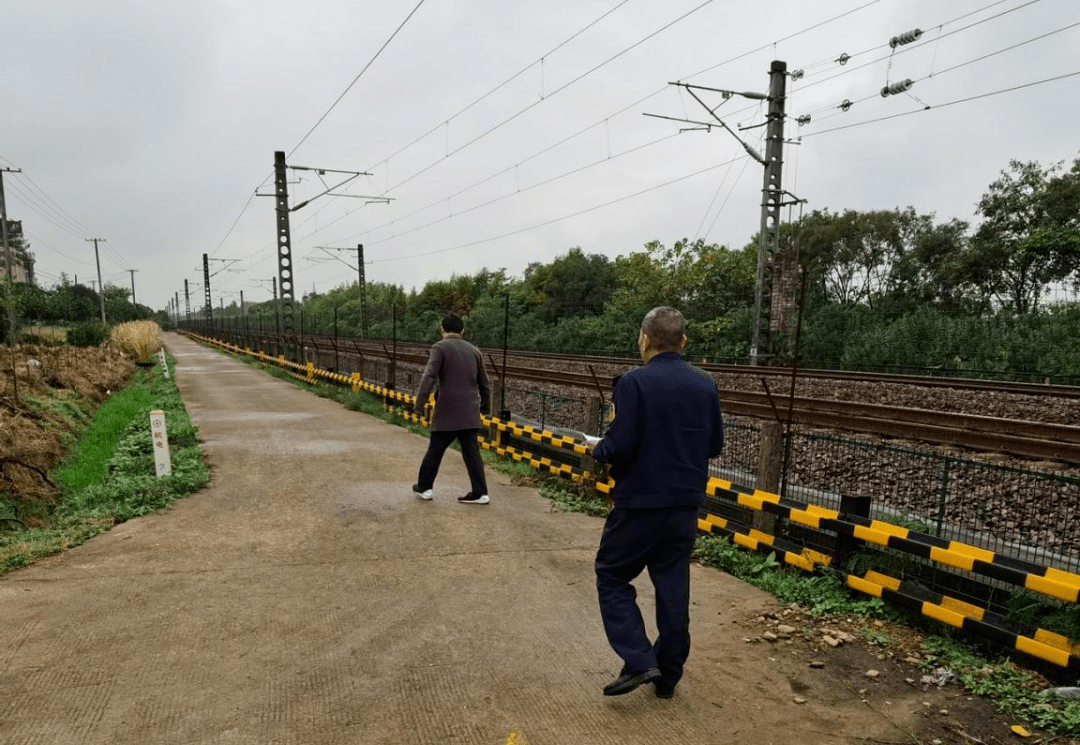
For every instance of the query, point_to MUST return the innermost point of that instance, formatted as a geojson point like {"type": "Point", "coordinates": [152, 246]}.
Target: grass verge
{"type": "Point", "coordinates": [110, 475]}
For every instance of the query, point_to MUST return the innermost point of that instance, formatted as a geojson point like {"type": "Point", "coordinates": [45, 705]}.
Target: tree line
{"type": "Point", "coordinates": [881, 289]}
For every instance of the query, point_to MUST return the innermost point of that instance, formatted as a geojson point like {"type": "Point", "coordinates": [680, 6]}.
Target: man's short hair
{"type": "Point", "coordinates": [665, 327]}
{"type": "Point", "coordinates": [453, 324]}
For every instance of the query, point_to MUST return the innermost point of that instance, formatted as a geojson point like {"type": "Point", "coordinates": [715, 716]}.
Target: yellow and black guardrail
{"type": "Point", "coordinates": [517, 441]}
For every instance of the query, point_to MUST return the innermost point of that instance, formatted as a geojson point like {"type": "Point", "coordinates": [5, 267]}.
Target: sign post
{"type": "Point", "coordinates": [162, 462]}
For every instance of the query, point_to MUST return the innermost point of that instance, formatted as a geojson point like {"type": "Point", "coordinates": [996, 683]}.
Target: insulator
{"type": "Point", "coordinates": [803, 120]}
{"type": "Point", "coordinates": [845, 104]}
{"type": "Point", "coordinates": [892, 90]}
{"type": "Point", "coordinates": [905, 38]}
{"type": "Point", "coordinates": [843, 59]}
{"type": "Point", "coordinates": [796, 74]}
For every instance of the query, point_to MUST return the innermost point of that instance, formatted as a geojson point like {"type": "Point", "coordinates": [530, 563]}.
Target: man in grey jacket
{"type": "Point", "coordinates": [455, 372]}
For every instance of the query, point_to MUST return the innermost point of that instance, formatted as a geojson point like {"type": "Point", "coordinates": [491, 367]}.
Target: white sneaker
{"type": "Point", "coordinates": [425, 494]}
{"type": "Point", "coordinates": [471, 498]}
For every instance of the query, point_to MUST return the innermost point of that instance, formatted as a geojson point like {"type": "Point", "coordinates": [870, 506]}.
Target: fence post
{"type": "Point", "coordinates": [770, 458]}
{"type": "Point", "coordinates": [591, 425]}
{"type": "Point", "coordinates": [943, 493]}
{"type": "Point", "coordinates": [845, 544]}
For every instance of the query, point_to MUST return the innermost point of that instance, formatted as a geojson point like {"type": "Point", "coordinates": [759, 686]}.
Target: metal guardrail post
{"type": "Point", "coordinates": [943, 494]}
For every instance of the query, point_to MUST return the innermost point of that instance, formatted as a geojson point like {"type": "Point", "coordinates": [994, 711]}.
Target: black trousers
{"type": "Point", "coordinates": [661, 541]}
{"type": "Point", "coordinates": [470, 453]}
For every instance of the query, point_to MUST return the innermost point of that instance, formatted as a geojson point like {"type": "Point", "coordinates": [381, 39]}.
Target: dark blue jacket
{"type": "Point", "coordinates": [667, 425]}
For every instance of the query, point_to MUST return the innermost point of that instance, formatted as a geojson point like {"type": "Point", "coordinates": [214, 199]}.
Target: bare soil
{"type": "Point", "coordinates": [34, 435]}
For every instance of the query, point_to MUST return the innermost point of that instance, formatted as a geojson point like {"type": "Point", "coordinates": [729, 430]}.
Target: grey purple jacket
{"type": "Point", "coordinates": [455, 373]}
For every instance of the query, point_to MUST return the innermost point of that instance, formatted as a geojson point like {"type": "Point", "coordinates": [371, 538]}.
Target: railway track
{"type": "Point", "coordinates": [1026, 439]}
{"type": "Point", "coordinates": [780, 373]}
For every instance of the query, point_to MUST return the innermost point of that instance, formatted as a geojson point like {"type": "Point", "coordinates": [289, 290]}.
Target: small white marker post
{"type": "Point", "coordinates": [164, 364]}
{"type": "Point", "coordinates": [162, 462]}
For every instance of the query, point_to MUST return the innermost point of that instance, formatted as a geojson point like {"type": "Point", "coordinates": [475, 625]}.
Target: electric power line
{"type": "Point", "coordinates": [945, 105]}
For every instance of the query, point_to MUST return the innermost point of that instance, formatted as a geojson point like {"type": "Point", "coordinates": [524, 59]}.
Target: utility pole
{"type": "Point", "coordinates": [771, 201]}
{"type": "Point", "coordinates": [187, 303]}
{"type": "Point", "coordinates": [133, 305]}
{"type": "Point", "coordinates": [176, 306]}
{"type": "Point", "coordinates": [361, 284]}
{"type": "Point", "coordinates": [206, 290]}
{"type": "Point", "coordinates": [97, 258]}
{"type": "Point", "coordinates": [363, 290]}
{"type": "Point", "coordinates": [284, 245]}
{"type": "Point", "coordinates": [284, 238]}
{"type": "Point", "coordinates": [277, 306]}
{"type": "Point", "coordinates": [772, 191]}
{"type": "Point", "coordinates": [10, 284]}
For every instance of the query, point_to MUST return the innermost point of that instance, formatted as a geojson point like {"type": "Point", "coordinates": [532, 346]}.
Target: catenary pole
{"type": "Point", "coordinates": [101, 287]}
{"type": "Point", "coordinates": [771, 200]}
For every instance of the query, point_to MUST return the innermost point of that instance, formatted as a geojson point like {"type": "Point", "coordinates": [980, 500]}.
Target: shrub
{"type": "Point", "coordinates": [88, 334]}
{"type": "Point", "coordinates": [137, 338]}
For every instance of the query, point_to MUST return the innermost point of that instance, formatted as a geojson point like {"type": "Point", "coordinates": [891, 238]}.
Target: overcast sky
{"type": "Point", "coordinates": [503, 132]}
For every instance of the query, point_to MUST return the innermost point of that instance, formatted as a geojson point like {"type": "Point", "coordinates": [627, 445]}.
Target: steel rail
{"type": "Point", "coordinates": [1027, 439]}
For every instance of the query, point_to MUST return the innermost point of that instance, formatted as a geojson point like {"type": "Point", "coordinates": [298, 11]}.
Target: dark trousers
{"type": "Point", "coordinates": [661, 541]}
{"type": "Point", "coordinates": [470, 453]}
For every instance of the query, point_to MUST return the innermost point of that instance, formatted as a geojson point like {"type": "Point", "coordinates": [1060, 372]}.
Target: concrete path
{"type": "Point", "coordinates": [305, 596]}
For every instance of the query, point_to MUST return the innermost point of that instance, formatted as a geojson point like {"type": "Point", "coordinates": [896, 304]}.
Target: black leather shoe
{"type": "Point", "coordinates": [629, 681]}
{"type": "Point", "coordinates": [663, 690]}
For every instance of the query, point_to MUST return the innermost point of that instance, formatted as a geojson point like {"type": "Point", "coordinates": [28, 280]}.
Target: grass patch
{"type": "Point", "coordinates": [1014, 690]}
{"type": "Point", "coordinates": [110, 476]}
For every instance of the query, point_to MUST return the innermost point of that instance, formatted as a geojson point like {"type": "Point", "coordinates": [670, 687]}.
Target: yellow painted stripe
{"type": "Point", "coordinates": [799, 561]}
{"type": "Point", "coordinates": [857, 583]}
{"type": "Point", "coordinates": [1050, 587]}
{"type": "Point", "coordinates": [719, 483]}
{"type": "Point", "coordinates": [964, 609]}
{"type": "Point", "coordinates": [751, 500]}
{"type": "Point", "coordinates": [884, 580]}
{"type": "Point", "coordinates": [1042, 651]}
{"type": "Point", "coordinates": [952, 558]}
{"type": "Point", "coordinates": [943, 614]}
{"type": "Point", "coordinates": [871, 535]}
{"type": "Point", "coordinates": [804, 517]}
{"type": "Point", "coordinates": [716, 520]}
{"type": "Point", "coordinates": [890, 529]}
{"type": "Point", "coordinates": [766, 538]}
{"type": "Point", "coordinates": [976, 553]}
{"type": "Point", "coordinates": [743, 540]}
{"type": "Point", "coordinates": [1057, 641]}
{"type": "Point", "coordinates": [822, 512]}
{"type": "Point", "coordinates": [817, 557]}
{"type": "Point", "coordinates": [1065, 578]}
{"type": "Point", "coordinates": [765, 496]}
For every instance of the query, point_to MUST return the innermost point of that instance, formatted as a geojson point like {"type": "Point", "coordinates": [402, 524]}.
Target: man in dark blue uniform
{"type": "Point", "coordinates": [666, 427]}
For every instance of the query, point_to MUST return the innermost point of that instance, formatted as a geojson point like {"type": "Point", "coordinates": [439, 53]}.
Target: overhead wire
{"type": "Point", "coordinates": [945, 105]}
{"type": "Point", "coordinates": [503, 84]}
{"type": "Point", "coordinates": [549, 96]}
{"type": "Point", "coordinates": [939, 73]}
{"type": "Point", "coordinates": [356, 79]}
{"type": "Point", "coordinates": [638, 102]}
{"type": "Point", "coordinates": [908, 48]}
{"type": "Point", "coordinates": [606, 118]}
{"type": "Point", "coordinates": [569, 216]}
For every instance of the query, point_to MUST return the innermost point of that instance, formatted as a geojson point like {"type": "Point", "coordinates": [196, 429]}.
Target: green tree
{"type": "Point", "coordinates": [1029, 236]}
